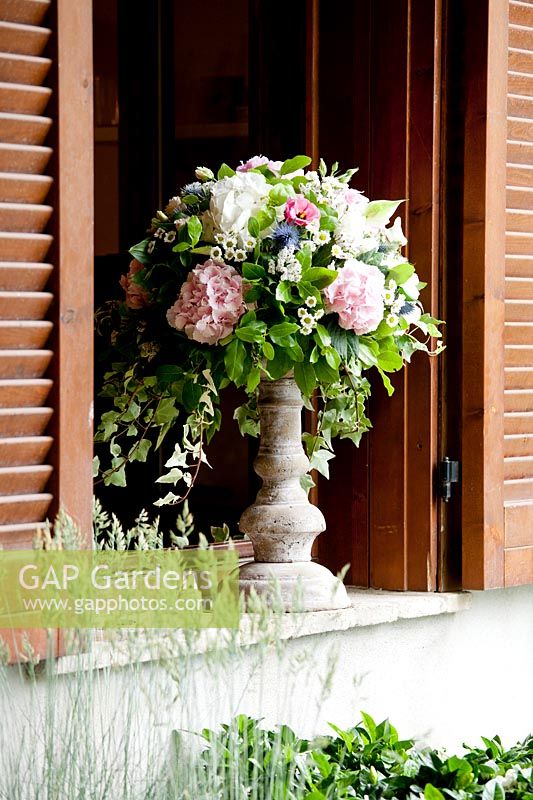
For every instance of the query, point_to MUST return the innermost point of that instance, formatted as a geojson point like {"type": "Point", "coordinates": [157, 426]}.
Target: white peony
{"type": "Point", "coordinates": [235, 199]}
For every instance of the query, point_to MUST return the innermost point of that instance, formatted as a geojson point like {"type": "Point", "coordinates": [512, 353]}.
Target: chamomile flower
{"type": "Point", "coordinates": [306, 330]}
{"type": "Point", "coordinates": [319, 313]}
{"type": "Point", "coordinates": [170, 236]}
{"type": "Point", "coordinates": [159, 233]}
{"type": "Point", "coordinates": [249, 243]}
{"type": "Point", "coordinates": [321, 237]}
{"type": "Point", "coordinates": [337, 252]}
{"type": "Point", "coordinates": [388, 297]}
{"type": "Point", "coordinates": [391, 320]}
{"type": "Point", "coordinates": [216, 253]}
{"type": "Point", "coordinates": [231, 242]}
{"type": "Point", "coordinates": [302, 312]}
{"type": "Point", "coordinates": [230, 253]}
{"type": "Point", "coordinates": [219, 238]}
{"type": "Point", "coordinates": [240, 255]}
{"type": "Point", "coordinates": [310, 301]}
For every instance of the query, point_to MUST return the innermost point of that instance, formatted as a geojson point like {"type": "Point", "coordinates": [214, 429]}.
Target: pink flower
{"type": "Point", "coordinates": [136, 295]}
{"type": "Point", "coordinates": [353, 196]}
{"type": "Point", "coordinates": [259, 161]}
{"type": "Point", "coordinates": [357, 296]}
{"type": "Point", "coordinates": [210, 303]}
{"type": "Point", "coordinates": [301, 211]}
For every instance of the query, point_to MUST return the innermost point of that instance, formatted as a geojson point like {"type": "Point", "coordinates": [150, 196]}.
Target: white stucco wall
{"type": "Point", "coordinates": [444, 679]}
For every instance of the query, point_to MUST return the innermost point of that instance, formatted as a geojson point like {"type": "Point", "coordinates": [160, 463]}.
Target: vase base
{"type": "Point", "coordinates": [296, 586]}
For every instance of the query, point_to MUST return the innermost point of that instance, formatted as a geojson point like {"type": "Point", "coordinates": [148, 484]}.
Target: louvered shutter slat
{"type": "Point", "coordinates": [24, 244]}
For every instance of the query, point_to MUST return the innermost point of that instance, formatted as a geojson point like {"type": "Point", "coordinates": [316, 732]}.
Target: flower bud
{"type": "Point", "coordinates": [204, 174]}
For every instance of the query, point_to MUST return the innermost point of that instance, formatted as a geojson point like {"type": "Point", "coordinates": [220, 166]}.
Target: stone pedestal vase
{"type": "Point", "coordinates": [282, 524]}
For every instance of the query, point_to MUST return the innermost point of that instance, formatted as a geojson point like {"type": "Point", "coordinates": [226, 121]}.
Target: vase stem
{"type": "Point", "coordinates": [282, 524]}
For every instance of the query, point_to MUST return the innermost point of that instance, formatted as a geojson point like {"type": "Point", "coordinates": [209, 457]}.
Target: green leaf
{"type": "Point", "coordinates": [279, 194]}
{"type": "Point", "coordinates": [252, 381]}
{"type": "Point", "coordinates": [268, 351]}
{"type": "Point", "coordinates": [432, 793]}
{"type": "Point", "coordinates": [166, 411]}
{"type": "Point", "coordinates": [194, 227]}
{"type": "Point", "coordinates": [320, 276]}
{"type": "Point", "coordinates": [225, 172]}
{"type": "Point", "coordinates": [234, 356]}
{"type": "Point", "coordinates": [253, 227]}
{"type": "Point", "coordinates": [280, 364]}
{"type": "Point", "coordinates": [180, 247]}
{"type": "Point", "coordinates": [139, 451]}
{"type": "Point", "coordinates": [282, 330]}
{"type": "Point", "coordinates": [386, 382]}
{"type": "Point", "coordinates": [173, 476]}
{"type": "Point", "coordinates": [319, 461]}
{"type": "Point", "coordinates": [284, 292]}
{"type": "Point", "coordinates": [116, 477]}
{"type": "Point", "coordinates": [108, 423]}
{"type": "Point", "coordinates": [322, 337]}
{"type": "Point", "coordinates": [305, 377]}
{"type": "Point", "coordinates": [379, 212]}
{"type": "Point", "coordinates": [265, 218]}
{"type": "Point", "coordinates": [332, 357]}
{"type": "Point", "coordinates": [138, 251]}
{"type": "Point", "coordinates": [293, 164]}
{"type": "Point", "coordinates": [253, 271]}
{"type": "Point", "coordinates": [390, 361]}
{"type": "Point", "coordinates": [168, 373]}
{"type": "Point", "coordinates": [254, 332]}
{"type": "Point", "coordinates": [96, 466]}
{"type": "Point", "coordinates": [247, 420]}
{"type": "Point", "coordinates": [325, 373]}
{"type": "Point", "coordinates": [191, 394]}
{"type": "Point", "coordinates": [401, 273]}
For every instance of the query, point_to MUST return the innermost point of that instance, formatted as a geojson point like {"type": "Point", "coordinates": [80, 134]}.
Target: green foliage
{"type": "Point", "coordinates": [368, 761]}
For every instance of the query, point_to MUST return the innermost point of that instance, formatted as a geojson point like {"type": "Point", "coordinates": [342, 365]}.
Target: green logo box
{"type": "Point", "coordinates": [109, 589]}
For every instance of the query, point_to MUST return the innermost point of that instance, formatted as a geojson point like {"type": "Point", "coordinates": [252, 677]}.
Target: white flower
{"type": "Point", "coordinates": [337, 252]}
{"type": "Point", "coordinates": [216, 253]}
{"type": "Point", "coordinates": [170, 236]}
{"type": "Point", "coordinates": [351, 228]}
{"type": "Point", "coordinates": [310, 301]}
{"type": "Point", "coordinates": [248, 243]}
{"type": "Point", "coordinates": [180, 222]}
{"type": "Point", "coordinates": [319, 313]}
{"type": "Point", "coordinates": [159, 233]}
{"type": "Point", "coordinates": [204, 174]}
{"type": "Point", "coordinates": [220, 238]}
{"type": "Point", "coordinates": [230, 242]}
{"type": "Point", "coordinates": [410, 287]}
{"type": "Point", "coordinates": [150, 247]}
{"type": "Point", "coordinates": [240, 255]}
{"type": "Point", "coordinates": [397, 305]}
{"type": "Point", "coordinates": [391, 320]}
{"type": "Point", "coordinates": [236, 198]}
{"type": "Point", "coordinates": [302, 312]}
{"type": "Point", "coordinates": [322, 237]}
{"type": "Point", "coordinates": [388, 297]}
{"type": "Point", "coordinates": [230, 253]}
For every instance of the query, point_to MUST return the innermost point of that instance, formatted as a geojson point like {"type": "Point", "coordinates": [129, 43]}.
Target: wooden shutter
{"type": "Point", "coordinates": [24, 272]}
{"type": "Point", "coordinates": [497, 427]}
{"type": "Point", "coordinates": [46, 273]}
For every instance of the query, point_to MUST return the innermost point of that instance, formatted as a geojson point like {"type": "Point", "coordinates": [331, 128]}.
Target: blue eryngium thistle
{"type": "Point", "coordinates": [197, 189]}
{"type": "Point", "coordinates": [285, 235]}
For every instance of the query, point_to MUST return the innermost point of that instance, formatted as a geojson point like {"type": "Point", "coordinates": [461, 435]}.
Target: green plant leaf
{"type": "Point", "coordinates": [194, 228]}
{"type": "Point", "coordinates": [253, 271]}
{"type": "Point", "coordinates": [234, 356]}
{"type": "Point", "coordinates": [225, 172]}
{"type": "Point", "coordinates": [401, 273]}
{"type": "Point", "coordinates": [139, 451]}
{"type": "Point", "coordinates": [305, 377]}
{"type": "Point", "coordinates": [166, 411]}
{"type": "Point", "coordinates": [282, 330]}
{"type": "Point", "coordinates": [379, 212]}
{"type": "Point", "coordinates": [253, 227]}
{"type": "Point", "coordinates": [293, 164]}
{"type": "Point", "coordinates": [390, 361]}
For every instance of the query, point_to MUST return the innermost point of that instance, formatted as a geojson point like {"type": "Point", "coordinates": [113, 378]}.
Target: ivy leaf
{"type": "Point", "coordinates": [166, 411]}
{"type": "Point", "coordinates": [293, 164]}
{"type": "Point", "coordinates": [305, 377]}
{"type": "Point", "coordinates": [191, 395]}
{"type": "Point", "coordinates": [116, 477]}
{"type": "Point", "coordinates": [139, 451]}
{"type": "Point", "coordinates": [168, 499]}
{"type": "Point", "coordinates": [386, 382]}
{"type": "Point", "coordinates": [319, 461]}
{"type": "Point", "coordinates": [96, 466]}
{"type": "Point", "coordinates": [173, 476]}
{"type": "Point", "coordinates": [247, 420]}
{"type": "Point", "coordinates": [168, 373]}
{"type": "Point", "coordinates": [390, 361]}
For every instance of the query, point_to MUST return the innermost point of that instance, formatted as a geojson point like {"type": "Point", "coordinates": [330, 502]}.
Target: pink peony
{"type": "Point", "coordinates": [301, 211]}
{"type": "Point", "coordinates": [357, 296]}
{"type": "Point", "coordinates": [136, 295]}
{"type": "Point", "coordinates": [259, 161]}
{"type": "Point", "coordinates": [210, 303]}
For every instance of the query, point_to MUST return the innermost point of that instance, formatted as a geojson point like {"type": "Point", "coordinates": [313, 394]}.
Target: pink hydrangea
{"type": "Point", "coordinates": [259, 161]}
{"type": "Point", "coordinates": [210, 303]}
{"type": "Point", "coordinates": [136, 295]}
{"type": "Point", "coordinates": [357, 296]}
{"type": "Point", "coordinates": [300, 211]}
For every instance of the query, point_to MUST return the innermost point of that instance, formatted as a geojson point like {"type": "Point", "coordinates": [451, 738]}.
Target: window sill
{"type": "Point", "coordinates": [368, 607]}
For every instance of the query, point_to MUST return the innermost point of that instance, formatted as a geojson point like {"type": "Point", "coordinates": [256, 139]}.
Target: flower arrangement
{"type": "Point", "coordinates": [250, 275]}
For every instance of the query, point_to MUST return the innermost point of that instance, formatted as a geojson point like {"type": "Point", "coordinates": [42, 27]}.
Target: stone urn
{"type": "Point", "coordinates": [282, 524]}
